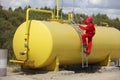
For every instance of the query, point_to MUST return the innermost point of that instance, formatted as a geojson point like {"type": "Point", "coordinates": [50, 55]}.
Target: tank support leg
{"type": "Point", "coordinates": [107, 61]}
{"type": "Point", "coordinates": [55, 65]}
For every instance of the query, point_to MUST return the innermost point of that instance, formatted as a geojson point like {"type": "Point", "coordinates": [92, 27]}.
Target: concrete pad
{"type": "Point", "coordinates": [15, 78]}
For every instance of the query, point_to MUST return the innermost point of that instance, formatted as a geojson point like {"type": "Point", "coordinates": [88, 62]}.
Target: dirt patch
{"type": "Point", "coordinates": [104, 73]}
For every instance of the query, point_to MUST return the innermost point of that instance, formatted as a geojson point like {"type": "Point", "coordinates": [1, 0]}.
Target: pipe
{"type": "Point", "coordinates": [57, 2]}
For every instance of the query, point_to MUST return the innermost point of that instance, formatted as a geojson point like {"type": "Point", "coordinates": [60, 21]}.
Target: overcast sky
{"type": "Point", "coordinates": [89, 7]}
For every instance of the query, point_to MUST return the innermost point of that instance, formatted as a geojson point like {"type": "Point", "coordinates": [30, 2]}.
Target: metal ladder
{"type": "Point", "coordinates": [84, 57]}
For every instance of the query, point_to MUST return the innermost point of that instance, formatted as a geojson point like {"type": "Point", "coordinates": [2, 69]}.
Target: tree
{"type": "Point", "coordinates": [1, 7]}
{"type": "Point", "coordinates": [10, 9]}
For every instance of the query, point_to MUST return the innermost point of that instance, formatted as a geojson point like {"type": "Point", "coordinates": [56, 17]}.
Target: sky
{"type": "Point", "coordinates": [88, 7]}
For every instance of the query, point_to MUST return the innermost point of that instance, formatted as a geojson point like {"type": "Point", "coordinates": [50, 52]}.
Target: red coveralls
{"type": "Point", "coordinates": [90, 31]}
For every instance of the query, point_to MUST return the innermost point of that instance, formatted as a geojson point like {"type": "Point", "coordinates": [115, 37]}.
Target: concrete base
{"type": "Point", "coordinates": [15, 78]}
{"type": "Point", "coordinates": [3, 72]}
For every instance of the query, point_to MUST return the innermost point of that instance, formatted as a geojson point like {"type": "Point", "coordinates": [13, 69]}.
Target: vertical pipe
{"type": "Point", "coordinates": [54, 8]}
{"type": "Point", "coordinates": [61, 9]}
{"type": "Point", "coordinates": [73, 5]}
{"type": "Point", "coordinates": [3, 62]}
{"type": "Point", "coordinates": [73, 10]}
{"type": "Point", "coordinates": [57, 2]}
{"type": "Point", "coordinates": [26, 34]}
{"type": "Point", "coordinates": [27, 18]}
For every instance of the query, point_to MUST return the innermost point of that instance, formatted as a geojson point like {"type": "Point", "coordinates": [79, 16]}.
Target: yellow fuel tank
{"type": "Point", "coordinates": [51, 42]}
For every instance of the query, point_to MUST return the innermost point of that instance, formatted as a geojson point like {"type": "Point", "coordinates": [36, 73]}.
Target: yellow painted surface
{"type": "Point", "coordinates": [48, 40]}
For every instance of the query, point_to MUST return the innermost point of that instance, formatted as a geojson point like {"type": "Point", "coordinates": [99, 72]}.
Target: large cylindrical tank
{"type": "Point", "coordinates": [48, 40]}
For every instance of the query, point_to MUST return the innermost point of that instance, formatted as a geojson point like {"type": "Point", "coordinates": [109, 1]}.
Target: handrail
{"type": "Point", "coordinates": [36, 10]}
{"type": "Point", "coordinates": [27, 26]}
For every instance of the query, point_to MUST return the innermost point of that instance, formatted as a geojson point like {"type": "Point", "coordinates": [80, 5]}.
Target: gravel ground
{"type": "Point", "coordinates": [105, 73]}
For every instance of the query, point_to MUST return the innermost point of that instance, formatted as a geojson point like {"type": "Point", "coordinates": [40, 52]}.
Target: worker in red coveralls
{"type": "Point", "coordinates": [90, 32]}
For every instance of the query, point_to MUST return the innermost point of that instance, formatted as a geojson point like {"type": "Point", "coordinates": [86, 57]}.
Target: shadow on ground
{"type": "Point", "coordinates": [75, 68]}
{"type": "Point", "coordinates": [92, 68]}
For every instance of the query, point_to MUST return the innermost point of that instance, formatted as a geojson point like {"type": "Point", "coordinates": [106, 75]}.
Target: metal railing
{"type": "Point", "coordinates": [26, 44]}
